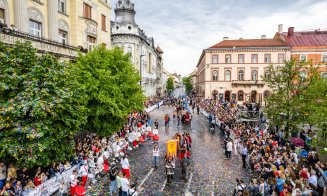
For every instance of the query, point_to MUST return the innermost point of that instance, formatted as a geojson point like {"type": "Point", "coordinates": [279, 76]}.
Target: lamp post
{"type": "Point", "coordinates": [141, 69]}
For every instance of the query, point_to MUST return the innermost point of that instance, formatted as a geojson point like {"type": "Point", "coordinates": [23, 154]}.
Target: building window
{"type": "Point", "coordinates": [241, 75]}
{"type": "Point", "coordinates": [241, 58]}
{"type": "Point", "coordinates": [254, 75]}
{"type": "Point", "coordinates": [214, 59]}
{"type": "Point", "coordinates": [63, 37]}
{"type": "Point", "coordinates": [323, 74]}
{"type": "Point", "coordinates": [303, 57]}
{"type": "Point", "coordinates": [267, 58]}
{"type": "Point", "coordinates": [87, 11]}
{"type": "Point", "coordinates": [215, 75]}
{"type": "Point", "coordinates": [227, 75]}
{"type": "Point", "coordinates": [62, 6]}
{"type": "Point", "coordinates": [90, 42]}
{"type": "Point", "coordinates": [267, 74]}
{"type": "Point", "coordinates": [228, 58]}
{"type": "Point", "coordinates": [35, 28]}
{"type": "Point", "coordinates": [303, 75]}
{"type": "Point", "coordinates": [150, 63]}
{"type": "Point", "coordinates": [324, 58]}
{"type": "Point", "coordinates": [2, 15]}
{"type": "Point", "coordinates": [281, 58]}
{"type": "Point", "coordinates": [103, 22]}
{"type": "Point", "coordinates": [240, 96]}
{"type": "Point", "coordinates": [254, 58]}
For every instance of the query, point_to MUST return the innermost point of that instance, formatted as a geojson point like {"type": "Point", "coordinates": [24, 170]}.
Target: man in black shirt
{"type": "Point", "coordinates": [112, 176]}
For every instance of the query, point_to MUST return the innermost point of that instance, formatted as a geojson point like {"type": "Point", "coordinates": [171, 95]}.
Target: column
{"type": "Point", "coordinates": [53, 33]}
{"type": "Point", "coordinates": [20, 14]}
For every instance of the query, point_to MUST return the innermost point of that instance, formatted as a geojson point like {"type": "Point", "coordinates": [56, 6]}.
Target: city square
{"type": "Point", "coordinates": [126, 97]}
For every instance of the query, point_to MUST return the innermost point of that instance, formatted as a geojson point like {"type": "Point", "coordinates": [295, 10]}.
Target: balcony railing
{"type": "Point", "coordinates": [248, 83]}
{"type": "Point", "coordinates": [11, 36]}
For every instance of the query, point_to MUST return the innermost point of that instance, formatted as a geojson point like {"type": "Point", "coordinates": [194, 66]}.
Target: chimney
{"type": "Point", "coordinates": [290, 31]}
{"type": "Point", "coordinates": [263, 36]}
{"type": "Point", "coordinates": [225, 38]}
{"type": "Point", "coordinates": [280, 28]}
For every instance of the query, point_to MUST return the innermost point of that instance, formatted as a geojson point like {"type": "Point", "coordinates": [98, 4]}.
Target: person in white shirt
{"type": "Point", "coordinates": [83, 172]}
{"type": "Point", "coordinates": [124, 185]}
{"type": "Point", "coordinates": [125, 166]}
{"type": "Point", "coordinates": [100, 163]}
{"type": "Point", "coordinates": [73, 182]}
{"type": "Point", "coordinates": [132, 191]}
{"type": "Point", "coordinates": [155, 156]}
{"type": "Point", "coordinates": [229, 147]}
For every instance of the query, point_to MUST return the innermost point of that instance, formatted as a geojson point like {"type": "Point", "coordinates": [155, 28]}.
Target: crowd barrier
{"type": "Point", "coordinates": [52, 185]}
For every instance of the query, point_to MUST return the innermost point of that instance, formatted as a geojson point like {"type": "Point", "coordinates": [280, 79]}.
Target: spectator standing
{"type": "Point", "coordinates": [3, 175]}
{"type": "Point", "coordinates": [124, 185]}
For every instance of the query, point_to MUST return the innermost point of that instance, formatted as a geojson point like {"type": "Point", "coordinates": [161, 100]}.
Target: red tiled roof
{"type": "Point", "coordinates": [250, 43]}
{"type": "Point", "coordinates": [312, 38]}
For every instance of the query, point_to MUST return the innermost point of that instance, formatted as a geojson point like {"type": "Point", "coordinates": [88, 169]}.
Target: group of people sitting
{"type": "Point", "coordinates": [276, 165]}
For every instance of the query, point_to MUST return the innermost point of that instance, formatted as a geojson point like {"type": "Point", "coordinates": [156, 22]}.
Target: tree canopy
{"type": "Point", "coordinates": [170, 84]}
{"type": "Point", "coordinates": [40, 110]}
{"type": "Point", "coordinates": [187, 83]}
{"type": "Point", "coordinates": [289, 83]}
{"type": "Point", "coordinates": [110, 83]}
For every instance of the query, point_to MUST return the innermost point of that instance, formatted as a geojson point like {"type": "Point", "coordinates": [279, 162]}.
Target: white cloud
{"type": "Point", "coordinates": [184, 28]}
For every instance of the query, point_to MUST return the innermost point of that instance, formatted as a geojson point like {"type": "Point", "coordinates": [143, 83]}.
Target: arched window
{"type": "Point", "coordinates": [240, 96]}
{"type": "Point", "coordinates": [254, 75]}
{"type": "Point", "coordinates": [215, 75]}
{"type": "Point", "coordinates": [4, 12]}
{"type": "Point", "coordinates": [227, 75]}
{"type": "Point", "coordinates": [241, 75]}
{"type": "Point", "coordinates": [36, 20]}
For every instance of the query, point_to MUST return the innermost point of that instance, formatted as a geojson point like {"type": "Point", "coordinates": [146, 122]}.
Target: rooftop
{"type": "Point", "coordinates": [245, 43]}
{"type": "Point", "coordinates": [306, 38]}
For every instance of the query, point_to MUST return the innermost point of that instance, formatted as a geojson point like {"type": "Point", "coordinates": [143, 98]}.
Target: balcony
{"type": "Point", "coordinates": [58, 49]}
{"type": "Point", "coordinates": [249, 83]}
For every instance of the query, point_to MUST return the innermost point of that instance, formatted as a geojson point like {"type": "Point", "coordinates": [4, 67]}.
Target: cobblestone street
{"type": "Point", "coordinates": [210, 173]}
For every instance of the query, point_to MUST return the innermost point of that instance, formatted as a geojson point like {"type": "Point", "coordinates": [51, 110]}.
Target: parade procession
{"type": "Point", "coordinates": [163, 98]}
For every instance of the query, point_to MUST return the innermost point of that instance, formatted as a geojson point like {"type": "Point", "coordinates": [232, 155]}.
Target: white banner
{"type": "Point", "coordinates": [51, 186]}
{"type": "Point", "coordinates": [150, 109]}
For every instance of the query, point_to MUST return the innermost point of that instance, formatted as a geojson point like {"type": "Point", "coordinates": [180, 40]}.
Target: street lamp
{"type": "Point", "coordinates": [141, 69]}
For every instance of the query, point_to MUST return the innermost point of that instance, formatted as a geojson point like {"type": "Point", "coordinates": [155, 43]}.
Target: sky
{"type": "Point", "coordinates": [183, 28]}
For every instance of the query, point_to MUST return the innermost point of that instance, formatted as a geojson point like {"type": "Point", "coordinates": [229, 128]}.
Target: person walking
{"type": "Point", "coordinates": [118, 183]}
{"type": "Point", "coordinates": [83, 171]}
{"type": "Point", "coordinates": [125, 166]}
{"type": "Point", "coordinates": [113, 177]}
{"type": "Point", "coordinates": [156, 124]}
{"type": "Point", "coordinates": [73, 182]}
{"type": "Point", "coordinates": [167, 119]}
{"type": "Point", "coordinates": [244, 155]}
{"type": "Point", "coordinates": [198, 109]}
{"type": "Point", "coordinates": [124, 185]}
{"type": "Point", "coordinates": [229, 147]}
{"type": "Point", "coordinates": [170, 165]}
{"type": "Point", "coordinates": [155, 156]}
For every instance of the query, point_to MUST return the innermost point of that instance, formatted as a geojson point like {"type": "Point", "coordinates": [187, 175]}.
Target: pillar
{"type": "Point", "coordinates": [20, 14]}
{"type": "Point", "coordinates": [53, 33]}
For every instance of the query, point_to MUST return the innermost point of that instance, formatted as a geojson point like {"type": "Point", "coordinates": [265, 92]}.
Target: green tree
{"type": "Point", "coordinates": [110, 82]}
{"type": "Point", "coordinates": [187, 83]}
{"type": "Point", "coordinates": [40, 112]}
{"type": "Point", "coordinates": [313, 106]}
{"type": "Point", "coordinates": [288, 83]}
{"type": "Point", "coordinates": [170, 84]}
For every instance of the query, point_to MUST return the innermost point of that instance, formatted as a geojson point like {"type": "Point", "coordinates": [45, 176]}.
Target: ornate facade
{"type": "Point", "coordinates": [233, 69]}
{"type": "Point", "coordinates": [61, 27]}
{"type": "Point", "coordinates": [147, 58]}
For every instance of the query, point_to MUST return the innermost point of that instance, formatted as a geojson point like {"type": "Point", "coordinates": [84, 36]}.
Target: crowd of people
{"type": "Point", "coordinates": [95, 156]}
{"type": "Point", "coordinates": [277, 165]}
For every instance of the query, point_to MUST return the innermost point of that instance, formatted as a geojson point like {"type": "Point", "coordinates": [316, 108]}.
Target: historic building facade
{"type": "Point", "coordinates": [61, 27]}
{"type": "Point", "coordinates": [307, 45]}
{"type": "Point", "coordinates": [147, 58]}
{"type": "Point", "coordinates": [233, 69]}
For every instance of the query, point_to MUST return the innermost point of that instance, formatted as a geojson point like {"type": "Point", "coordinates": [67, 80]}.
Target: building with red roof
{"type": "Point", "coordinates": [307, 45]}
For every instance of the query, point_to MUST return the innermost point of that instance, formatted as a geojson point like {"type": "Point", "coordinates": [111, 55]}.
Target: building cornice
{"type": "Point", "coordinates": [256, 49]}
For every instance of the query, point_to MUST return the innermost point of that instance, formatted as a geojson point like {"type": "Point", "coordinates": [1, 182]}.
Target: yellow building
{"type": "Point", "coordinates": [60, 27]}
